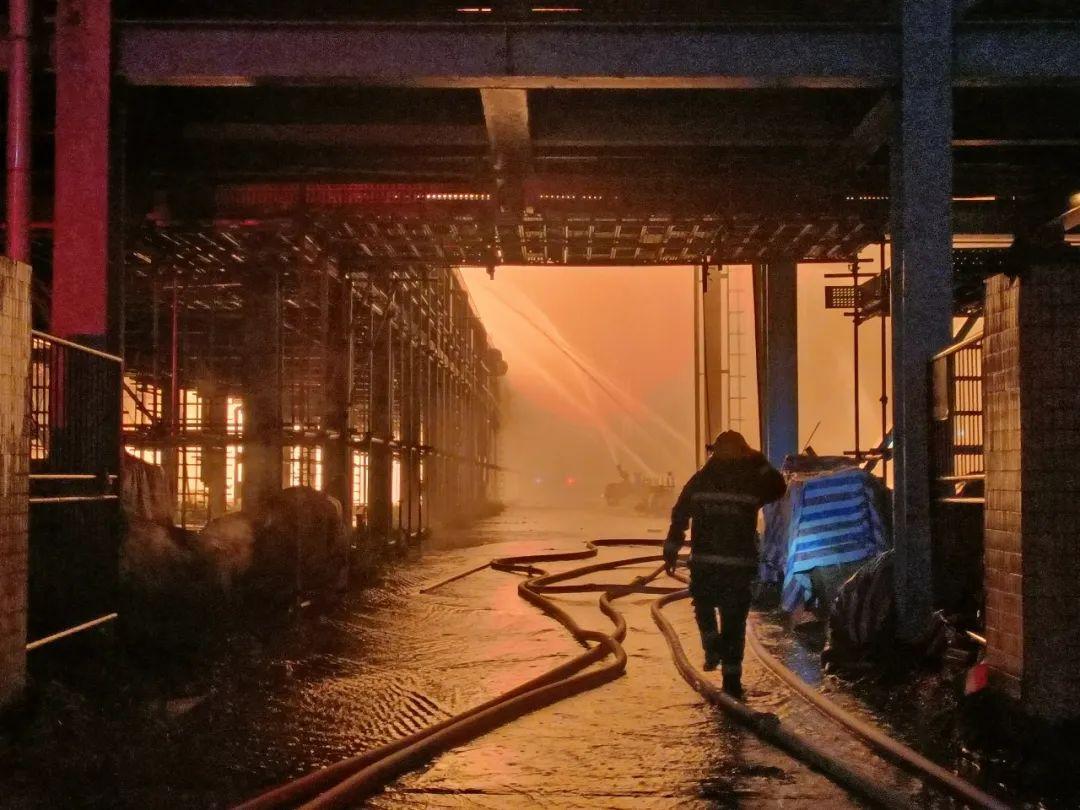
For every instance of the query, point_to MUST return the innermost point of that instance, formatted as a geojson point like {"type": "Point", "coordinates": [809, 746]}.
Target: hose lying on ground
{"type": "Point", "coordinates": [885, 745]}
{"type": "Point", "coordinates": [353, 778]}
{"type": "Point", "coordinates": [768, 726]}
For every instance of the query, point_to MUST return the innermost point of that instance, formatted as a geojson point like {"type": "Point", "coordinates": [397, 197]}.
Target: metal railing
{"type": "Point", "coordinates": [956, 428]}
{"type": "Point", "coordinates": [75, 519]}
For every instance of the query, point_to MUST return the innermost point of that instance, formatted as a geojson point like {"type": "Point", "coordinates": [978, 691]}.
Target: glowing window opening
{"type": "Point", "coordinates": [193, 494]}
{"type": "Point", "coordinates": [304, 466]}
{"type": "Point", "coordinates": [148, 454]}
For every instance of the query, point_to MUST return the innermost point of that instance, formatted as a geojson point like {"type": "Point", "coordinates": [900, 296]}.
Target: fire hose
{"type": "Point", "coordinates": [356, 777]}
{"type": "Point", "coordinates": [885, 745]}
{"type": "Point", "coordinates": [350, 780]}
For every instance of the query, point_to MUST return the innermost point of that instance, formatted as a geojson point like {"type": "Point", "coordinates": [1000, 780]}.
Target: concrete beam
{"type": "Point", "coordinates": [921, 199]}
{"type": "Point", "coordinates": [512, 56]}
{"type": "Point", "coordinates": [863, 143]}
{"type": "Point", "coordinates": [871, 134]}
{"type": "Point", "coordinates": [341, 135]}
{"type": "Point", "coordinates": [1069, 220]}
{"type": "Point", "coordinates": [506, 116]}
{"type": "Point", "coordinates": [1004, 53]}
{"type": "Point", "coordinates": [579, 55]}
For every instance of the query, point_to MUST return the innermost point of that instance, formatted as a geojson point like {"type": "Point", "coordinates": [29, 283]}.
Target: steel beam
{"type": "Point", "coordinates": [921, 179]}
{"type": "Point", "coordinates": [776, 311]}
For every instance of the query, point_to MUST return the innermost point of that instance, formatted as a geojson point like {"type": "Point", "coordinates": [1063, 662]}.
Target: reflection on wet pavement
{"type": "Point", "coordinates": [393, 661]}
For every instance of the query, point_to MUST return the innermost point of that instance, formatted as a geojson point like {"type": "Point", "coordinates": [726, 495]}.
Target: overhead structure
{"type": "Point", "coordinates": [415, 137]}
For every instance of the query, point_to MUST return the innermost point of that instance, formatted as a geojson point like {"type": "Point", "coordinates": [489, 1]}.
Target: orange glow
{"type": "Point", "coordinates": [600, 372]}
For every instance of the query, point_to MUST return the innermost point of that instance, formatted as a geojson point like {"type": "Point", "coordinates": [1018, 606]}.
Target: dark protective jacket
{"type": "Point", "coordinates": [722, 500]}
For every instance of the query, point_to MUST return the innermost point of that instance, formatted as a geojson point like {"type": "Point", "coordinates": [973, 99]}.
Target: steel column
{"type": "Point", "coordinates": [81, 250]}
{"type": "Point", "coordinates": [215, 416]}
{"type": "Point", "coordinates": [778, 362]}
{"type": "Point", "coordinates": [262, 385]}
{"type": "Point", "coordinates": [921, 179]}
{"type": "Point", "coordinates": [380, 459]}
{"type": "Point", "coordinates": [18, 132]}
{"type": "Point", "coordinates": [338, 340]}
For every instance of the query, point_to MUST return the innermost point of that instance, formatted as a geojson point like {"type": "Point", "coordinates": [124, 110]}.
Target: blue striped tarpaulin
{"type": "Point", "coordinates": [833, 519]}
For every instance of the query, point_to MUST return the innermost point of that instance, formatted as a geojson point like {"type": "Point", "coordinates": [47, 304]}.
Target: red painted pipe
{"type": "Point", "coordinates": [18, 127]}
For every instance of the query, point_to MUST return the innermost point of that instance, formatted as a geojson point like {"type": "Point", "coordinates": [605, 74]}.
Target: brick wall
{"type": "Point", "coordinates": [14, 461]}
{"type": "Point", "coordinates": [1032, 401]}
{"type": "Point", "coordinates": [1002, 443]}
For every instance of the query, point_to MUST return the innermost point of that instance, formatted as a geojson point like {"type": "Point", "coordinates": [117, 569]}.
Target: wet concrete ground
{"type": "Point", "coordinates": [391, 662]}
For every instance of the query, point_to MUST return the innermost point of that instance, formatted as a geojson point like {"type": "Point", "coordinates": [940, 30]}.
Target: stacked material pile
{"type": "Point", "coordinates": [829, 521]}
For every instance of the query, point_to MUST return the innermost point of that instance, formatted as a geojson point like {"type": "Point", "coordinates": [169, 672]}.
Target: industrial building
{"type": "Point", "coordinates": [239, 228]}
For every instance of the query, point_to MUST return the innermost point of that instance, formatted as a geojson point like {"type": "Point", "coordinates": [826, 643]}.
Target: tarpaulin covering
{"type": "Point", "coordinates": [828, 518]}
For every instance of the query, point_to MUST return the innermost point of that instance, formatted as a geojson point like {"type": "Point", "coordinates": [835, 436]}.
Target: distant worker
{"type": "Point", "coordinates": [721, 501]}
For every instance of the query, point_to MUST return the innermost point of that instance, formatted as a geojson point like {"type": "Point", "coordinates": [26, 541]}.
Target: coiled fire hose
{"type": "Point", "coordinates": [351, 780]}
{"type": "Point", "coordinates": [354, 778]}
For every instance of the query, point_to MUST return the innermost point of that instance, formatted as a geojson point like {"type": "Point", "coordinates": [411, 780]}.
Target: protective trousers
{"type": "Point", "coordinates": [727, 589]}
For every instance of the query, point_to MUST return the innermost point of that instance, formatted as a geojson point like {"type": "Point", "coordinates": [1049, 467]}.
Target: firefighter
{"type": "Point", "coordinates": [721, 501]}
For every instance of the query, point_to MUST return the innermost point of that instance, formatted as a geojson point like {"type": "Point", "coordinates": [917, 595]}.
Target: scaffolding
{"type": "Point", "coordinates": [274, 354]}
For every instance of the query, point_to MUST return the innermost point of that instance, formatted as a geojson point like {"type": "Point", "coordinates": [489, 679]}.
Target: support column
{"type": "Point", "coordinates": [380, 458]}
{"type": "Point", "coordinates": [1032, 438]}
{"type": "Point", "coordinates": [14, 484]}
{"type": "Point", "coordinates": [215, 415]}
{"type": "Point", "coordinates": [262, 386]}
{"type": "Point", "coordinates": [442, 443]}
{"type": "Point", "coordinates": [19, 116]}
{"type": "Point", "coordinates": [778, 360]}
{"type": "Point", "coordinates": [80, 295]}
{"type": "Point", "coordinates": [339, 365]}
{"type": "Point", "coordinates": [714, 328]}
{"type": "Point", "coordinates": [410, 429]}
{"type": "Point", "coordinates": [921, 192]}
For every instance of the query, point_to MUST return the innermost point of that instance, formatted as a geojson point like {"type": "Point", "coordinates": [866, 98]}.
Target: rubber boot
{"type": "Point", "coordinates": [733, 684]}
{"type": "Point", "coordinates": [711, 644]}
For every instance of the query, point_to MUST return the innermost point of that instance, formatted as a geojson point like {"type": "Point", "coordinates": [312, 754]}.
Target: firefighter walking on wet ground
{"type": "Point", "coordinates": [720, 503]}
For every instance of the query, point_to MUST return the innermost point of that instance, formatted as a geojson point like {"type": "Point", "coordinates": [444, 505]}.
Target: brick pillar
{"type": "Point", "coordinates": [14, 463]}
{"type": "Point", "coordinates": [1002, 537]}
{"type": "Point", "coordinates": [1032, 486]}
